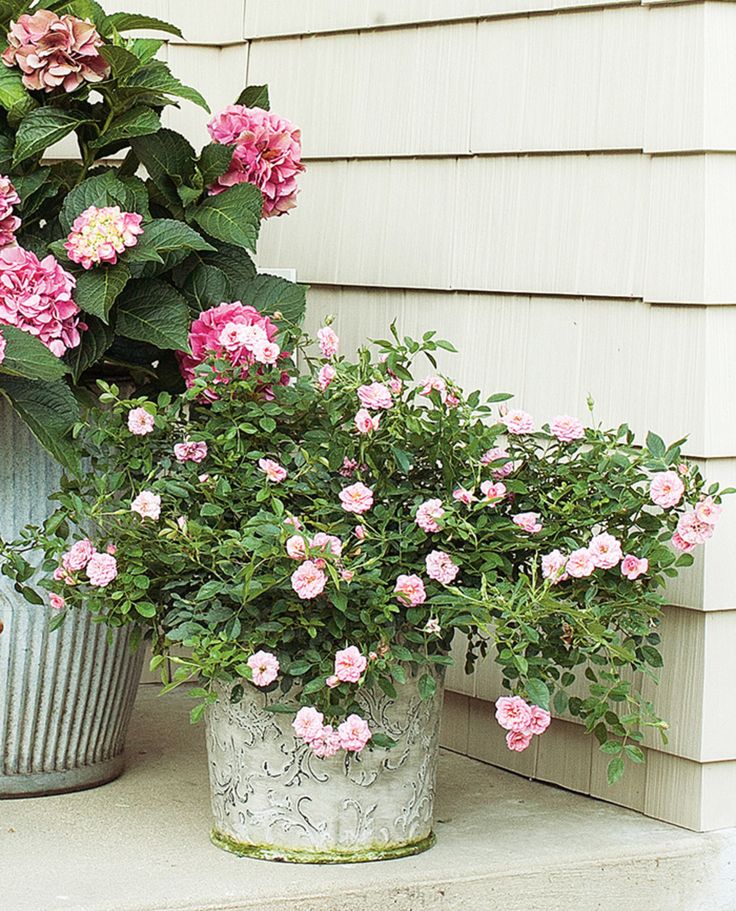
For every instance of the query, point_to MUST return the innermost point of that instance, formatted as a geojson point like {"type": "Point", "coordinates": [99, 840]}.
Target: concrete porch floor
{"type": "Point", "coordinates": [141, 844]}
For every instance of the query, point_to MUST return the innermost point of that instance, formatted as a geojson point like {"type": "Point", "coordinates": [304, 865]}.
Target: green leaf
{"type": "Point", "coordinates": [145, 49]}
{"type": "Point", "coordinates": [104, 190]}
{"type": "Point", "coordinates": [167, 235]}
{"type": "Point", "coordinates": [560, 702]}
{"type": "Point", "coordinates": [313, 686]}
{"type": "Point", "coordinates": [13, 94]}
{"type": "Point", "coordinates": [380, 739]}
{"type": "Point", "coordinates": [145, 609]}
{"type": "Point", "coordinates": [207, 286]}
{"type": "Point", "coordinates": [538, 692]}
{"type": "Point", "coordinates": [153, 311]}
{"type": "Point", "coordinates": [96, 339]}
{"type": "Point", "coordinates": [165, 154]}
{"type": "Point", "coordinates": [237, 266]}
{"type": "Point", "coordinates": [635, 754]}
{"type": "Point", "coordinates": [138, 121]}
{"type": "Point", "coordinates": [280, 708]}
{"type": "Point", "coordinates": [652, 656]}
{"type": "Point", "coordinates": [128, 22]}
{"type": "Point", "coordinates": [42, 128]}
{"type": "Point", "coordinates": [615, 770]}
{"type": "Point", "coordinates": [427, 686]}
{"type": "Point", "coordinates": [83, 9]}
{"type": "Point", "coordinates": [214, 161]}
{"type": "Point", "coordinates": [255, 96]}
{"type": "Point", "coordinates": [28, 357]}
{"type": "Point", "coordinates": [156, 77]}
{"type": "Point", "coordinates": [122, 62]}
{"type": "Point", "coordinates": [50, 411]}
{"type": "Point", "coordinates": [98, 288]}
{"type": "Point", "coordinates": [270, 294]}
{"type": "Point", "coordinates": [655, 445]}
{"type": "Point", "coordinates": [233, 216]}
{"type": "Point", "coordinates": [611, 747]}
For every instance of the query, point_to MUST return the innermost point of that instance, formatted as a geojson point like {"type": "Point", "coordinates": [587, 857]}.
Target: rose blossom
{"type": "Point", "coordinates": [349, 664]}
{"type": "Point", "coordinates": [101, 569]}
{"type": "Point", "coordinates": [528, 521]}
{"type": "Point", "coordinates": [365, 422]}
{"type": "Point", "coordinates": [395, 385]}
{"type": "Point", "coordinates": [308, 581]}
{"type": "Point", "coordinates": [347, 575]}
{"type": "Point", "coordinates": [434, 384]}
{"type": "Point", "coordinates": [605, 551]}
{"type": "Point", "coordinates": [36, 296]}
{"type": "Point", "coordinates": [308, 723]}
{"type": "Point", "coordinates": [326, 375]}
{"type": "Point", "coordinates": [496, 455]}
{"type": "Point", "coordinates": [427, 515]}
{"type": "Point", "coordinates": [463, 496]}
{"type": "Point", "coordinates": [332, 681]}
{"type": "Point", "coordinates": [493, 491]}
{"type": "Point", "coordinates": [553, 566]}
{"type": "Point", "coordinates": [666, 489]}
{"type": "Point", "coordinates": [376, 396]}
{"type": "Point", "coordinates": [325, 542]}
{"type": "Point", "coordinates": [273, 471]}
{"type": "Point", "coordinates": [518, 421]}
{"type": "Point", "coordinates": [567, 429]}
{"type": "Point", "coordinates": [267, 353]}
{"type": "Point", "coordinates": [692, 530]}
{"type": "Point", "coordinates": [56, 601]}
{"type": "Point", "coordinates": [357, 498]}
{"type": "Point", "coordinates": [681, 544]}
{"type": "Point", "coordinates": [267, 154]}
{"type": "Point", "coordinates": [432, 627]}
{"type": "Point", "coordinates": [708, 511]}
{"type": "Point", "coordinates": [440, 567]}
{"type": "Point", "coordinates": [9, 223]}
{"type": "Point", "coordinates": [326, 743]}
{"type": "Point", "coordinates": [540, 720]}
{"type": "Point", "coordinates": [242, 335]}
{"type": "Point", "coordinates": [190, 452]}
{"type": "Point", "coordinates": [354, 734]}
{"type": "Point", "coordinates": [410, 590]}
{"type": "Point", "coordinates": [360, 532]}
{"type": "Point", "coordinates": [53, 51]}
{"type": "Point", "coordinates": [513, 713]}
{"type": "Point", "coordinates": [580, 563]}
{"type": "Point", "coordinates": [265, 667]}
{"type": "Point", "coordinates": [78, 555]}
{"type": "Point", "coordinates": [518, 741]}
{"type": "Point", "coordinates": [328, 341]}
{"type": "Point", "coordinates": [99, 235]}
{"type": "Point", "coordinates": [296, 547]}
{"type": "Point", "coordinates": [148, 505]}
{"type": "Point", "coordinates": [140, 422]}
{"type": "Point", "coordinates": [632, 567]}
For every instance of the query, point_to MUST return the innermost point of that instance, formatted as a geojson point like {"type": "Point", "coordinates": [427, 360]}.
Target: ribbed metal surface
{"type": "Point", "coordinates": [65, 696]}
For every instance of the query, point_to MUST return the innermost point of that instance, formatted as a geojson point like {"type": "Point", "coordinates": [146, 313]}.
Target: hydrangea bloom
{"type": "Point", "coordinates": [99, 235]}
{"type": "Point", "coordinates": [350, 664]}
{"type": "Point", "coordinates": [427, 515]}
{"type": "Point", "coordinates": [265, 667]}
{"type": "Point", "coordinates": [141, 422]}
{"type": "Point", "coordinates": [9, 223]}
{"type": "Point", "coordinates": [410, 590]}
{"type": "Point", "coordinates": [190, 452]}
{"type": "Point", "coordinates": [53, 51]}
{"type": "Point", "coordinates": [267, 154]}
{"type": "Point", "coordinates": [441, 567]}
{"type": "Point", "coordinates": [101, 569]}
{"type": "Point", "coordinates": [666, 489]}
{"type": "Point", "coordinates": [308, 723]}
{"type": "Point", "coordinates": [354, 733]}
{"type": "Point", "coordinates": [148, 505]}
{"type": "Point", "coordinates": [356, 498]}
{"type": "Point", "coordinates": [36, 296]}
{"type": "Point", "coordinates": [308, 581]}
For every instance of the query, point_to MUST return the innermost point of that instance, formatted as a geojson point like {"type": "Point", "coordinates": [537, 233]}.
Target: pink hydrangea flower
{"type": "Point", "coordinates": [528, 521]}
{"type": "Point", "coordinates": [441, 567]}
{"type": "Point", "coordinates": [141, 422]}
{"type": "Point", "coordinates": [99, 235]}
{"type": "Point", "coordinates": [324, 542]}
{"type": "Point", "coordinates": [708, 511]}
{"type": "Point", "coordinates": [265, 667]}
{"type": "Point", "coordinates": [56, 601]}
{"type": "Point", "coordinates": [326, 743]}
{"type": "Point", "coordinates": [350, 664]}
{"type": "Point", "coordinates": [308, 723]}
{"type": "Point", "coordinates": [493, 491]}
{"type": "Point", "coordinates": [9, 223]}
{"type": "Point", "coordinates": [267, 154]}
{"type": "Point", "coordinates": [273, 471]}
{"type": "Point", "coordinates": [53, 51]}
{"type": "Point", "coordinates": [518, 741]}
{"type": "Point", "coordinates": [328, 341]}
{"type": "Point", "coordinates": [580, 563]}
{"type": "Point", "coordinates": [679, 543]}
{"type": "Point", "coordinates": [190, 452]}
{"type": "Point", "coordinates": [354, 733]}
{"type": "Point", "coordinates": [428, 514]}
{"type": "Point", "coordinates": [357, 498]}
{"type": "Point", "coordinates": [692, 530]}
{"type": "Point", "coordinates": [666, 489]}
{"type": "Point", "coordinates": [148, 505]}
{"type": "Point", "coordinates": [496, 455]}
{"type": "Point", "coordinates": [308, 581]}
{"type": "Point", "coordinates": [296, 547]}
{"type": "Point", "coordinates": [540, 720]}
{"type": "Point", "coordinates": [553, 566]}
{"type": "Point", "coordinates": [326, 375]}
{"type": "Point", "coordinates": [463, 496]}
{"type": "Point", "coordinates": [410, 590]}
{"type": "Point", "coordinates": [78, 555]}
{"type": "Point", "coordinates": [567, 429]}
{"type": "Point", "coordinates": [518, 421]}
{"type": "Point", "coordinates": [365, 422]}
{"type": "Point", "coordinates": [632, 567]}
{"type": "Point", "coordinates": [101, 569]}
{"type": "Point", "coordinates": [513, 713]}
{"type": "Point", "coordinates": [605, 551]}
{"type": "Point", "coordinates": [375, 396]}
{"type": "Point", "coordinates": [36, 296]}
{"type": "Point", "coordinates": [434, 384]}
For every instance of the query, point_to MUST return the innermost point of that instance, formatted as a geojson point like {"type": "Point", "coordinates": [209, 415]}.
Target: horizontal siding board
{"type": "Point", "coordinates": [214, 22]}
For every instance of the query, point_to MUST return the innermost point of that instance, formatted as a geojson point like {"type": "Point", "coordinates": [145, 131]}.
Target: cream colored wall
{"type": "Point", "coordinates": [552, 185]}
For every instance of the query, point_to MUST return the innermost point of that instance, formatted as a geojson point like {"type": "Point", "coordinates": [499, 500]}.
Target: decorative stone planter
{"type": "Point", "coordinates": [273, 799]}
{"type": "Point", "coordinates": [66, 696]}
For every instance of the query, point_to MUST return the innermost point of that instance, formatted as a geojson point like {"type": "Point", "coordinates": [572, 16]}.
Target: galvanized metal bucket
{"type": "Point", "coordinates": [66, 696]}
{"type": "Point", "coordinates": [273, 799]}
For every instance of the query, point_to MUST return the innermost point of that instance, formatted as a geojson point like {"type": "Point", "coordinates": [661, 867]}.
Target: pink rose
{"type": "Point", "coordinates": [679, 543]}
{"type": "Point", "coordinates": [347, 575]}
{"type": "Point", "coordinates": [141, 422]}
{"type": "Point", "coordinates": [265, 667]}
{"type": "Point", "coordinates": [441, 567]}
{"type": "Point", "coordinates": [692, 530]}
{"type": "Point", "coordinates": [273, 471]}
{"type": "Point", "coordinates": [528, 521]}
{"type": "Point", "coordinates": [326, 743]}
{"type": "Point", "coordinates": [666, 489]}
{"type": "Point", "coordinates": [513, 713]}
{"type": "Point", "coordinates": [605, 551]}
{"type": "Point", "coordinates": [99, 235]}
{"type": "Point", "coordinates": [567, 429]}
{"type": "Point", "coordinates": [708, 511]}
{"type": "Point", "coordinates": [375, 396]}
{"type": "Point", "coordinates": [435, 384]}
{"type": "Point", "coordinates": [294, 522]}
{"type": "Point", "coordinates": [553, 566]}
{"type": "Point", "coordinates": [101, 569]}
{"type": "Point", "coordinates": [493, 491]}
{"type": "Point", "coordinates": [463, 496]}
{"type": "Point", "coordinates": [56, 601]}
{"type": "Point", "coordinates": [325, 542]}
{"type": "Point", "coordinates": [428, 514]}
{"type": "Point", "coordinates": [365, 423]}
{"type": "Point", "coordinates": [267, 353]}
{"type": "Point", "coordinates": [332, 681]}
{"type": "Point", "coordinates": [349, 664]}
{"type": "Point", "coordinates": [328, 342]}
{"type": "Point", "coordinates": [518, 741]}
{"type": "Point", "coordinates": [308, 581]}
{"type": "Point", "coordinates": [395, 385]}
{"type": "Point", "coordinates": [540, 720]}
{"type": "Point", "coordinates": [190, 452]}
{"type": "Point", "coordinates": [242, 335]}
{"type": "Point", "coordinates": [410, 590]}
{"type": "Point", "coordinates": [517, 421]}
{"type": "Point", "coordinates": [326, 375]}
{"type": "Point", "coordinates": [148, 505]}
{"type": "Point", "coordinates": [360, 532]}
{"type": "Point", "coordinates": [78, 555]}
{"type": "Point", "coordinates": [296, 547]}
{"type": "Point", "coordinates": [632, 567]}
{"type": "Point", "coordinates": [580, 563]}
{"type": "Point", "coordinates": [498, 455]}
{"type": "Point", "coordinates": [354, 734]}
{"type": "Point", "coordinates": [308, 723]}
{"type": "Point", "coordinates": [357, 498]}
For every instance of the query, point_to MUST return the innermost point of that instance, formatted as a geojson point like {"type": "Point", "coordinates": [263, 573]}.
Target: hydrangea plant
{"type": "Point", "coordinates": [313, 532]}
{"type": "Point", "coordinates": [104, 260]}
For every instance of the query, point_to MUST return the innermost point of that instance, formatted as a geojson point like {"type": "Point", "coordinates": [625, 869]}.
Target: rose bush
{"type": "Point", "coordinates": [313, 532]}
{"type": "Point", "coordinates": [106, 259]}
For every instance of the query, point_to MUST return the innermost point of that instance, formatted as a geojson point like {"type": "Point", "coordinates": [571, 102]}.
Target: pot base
{"type": "Point", "coordinates": [43, 784]}
{"type": "Point", "coordinates": [273, 853]}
